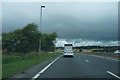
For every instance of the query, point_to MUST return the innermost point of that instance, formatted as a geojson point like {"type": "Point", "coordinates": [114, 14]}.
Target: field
{"type": "Point", "coordinates": [12, 64]}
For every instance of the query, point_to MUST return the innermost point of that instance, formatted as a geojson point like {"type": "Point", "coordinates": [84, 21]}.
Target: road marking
{"type": "Point", "coordinates": [35, 76]}
{"type": "Point", "coordinates": [38, 74]}
{"type": "Point", "coordinates": [86, 60]}
{"type": "Point", "coordinates": [113, 74]}
{"type": "Point", "coordinates": [104, 57]}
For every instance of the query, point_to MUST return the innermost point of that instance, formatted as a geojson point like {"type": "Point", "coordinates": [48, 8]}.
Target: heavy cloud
{"type": "Point", "coordinates": [84, 20]}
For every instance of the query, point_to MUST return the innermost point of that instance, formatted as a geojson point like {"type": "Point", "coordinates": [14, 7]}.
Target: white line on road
{"type": "Point", "coordinates": [104, 57]}
{"type": "Point", "coordinates": [86, 60]}
{"type": "Point", "coordinates": [113, 74]}
{"type": "Point", "coordinates": [38, 74]}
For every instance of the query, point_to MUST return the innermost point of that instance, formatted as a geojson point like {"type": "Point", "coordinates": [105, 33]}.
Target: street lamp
{"type": "Point", "coordinates": [54, 44]}
{"type": "Point", "coordinates": [40, 29]}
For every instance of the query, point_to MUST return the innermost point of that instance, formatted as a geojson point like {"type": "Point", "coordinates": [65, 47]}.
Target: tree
{"type": "Point", "coordinates": [32, 35]}
{"type": "Point", "coordinates": [47, 41]}
{"type": "Point", "coordinates": [22, 40]}
{"type": "Point", "coordinates": [27, 39]}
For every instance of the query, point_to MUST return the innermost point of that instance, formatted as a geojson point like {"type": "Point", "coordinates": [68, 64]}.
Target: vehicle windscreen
{"type": "Point", "coordinates": [68, 51]}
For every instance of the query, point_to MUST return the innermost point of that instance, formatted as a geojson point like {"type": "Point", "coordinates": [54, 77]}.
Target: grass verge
{"type": "Point", "coordinates": [12, 64]}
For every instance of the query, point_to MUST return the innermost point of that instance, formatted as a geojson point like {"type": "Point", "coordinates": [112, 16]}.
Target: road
{"type": "Point", "coordinates": [81, 66]}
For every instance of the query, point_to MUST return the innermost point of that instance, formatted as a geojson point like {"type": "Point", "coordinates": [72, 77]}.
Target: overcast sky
{"type": "Point", "coordinates": [77, 23]}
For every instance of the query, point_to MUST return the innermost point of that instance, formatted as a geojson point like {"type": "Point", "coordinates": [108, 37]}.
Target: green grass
{"type": "Point", "coordinates": [12, 64]}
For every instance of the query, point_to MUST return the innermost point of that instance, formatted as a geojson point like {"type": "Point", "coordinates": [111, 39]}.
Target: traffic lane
{"type": "Point", "coordinates": [106, 64]}
{"type": "Point", "coordinates": [74, 68]}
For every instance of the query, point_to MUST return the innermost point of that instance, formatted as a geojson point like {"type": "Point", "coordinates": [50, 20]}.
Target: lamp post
{"type": "Point", "coordinates": [40, 29]}
{"type": "Point", "coordinates": [54, 44]}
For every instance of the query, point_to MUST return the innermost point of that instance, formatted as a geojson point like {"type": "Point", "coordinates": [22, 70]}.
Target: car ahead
{"type": "Point", "coordinates": [68, 53]}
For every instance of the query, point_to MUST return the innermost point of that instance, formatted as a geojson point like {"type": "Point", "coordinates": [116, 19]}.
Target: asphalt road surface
{"type": "Point", "coordinates": [81, 66]}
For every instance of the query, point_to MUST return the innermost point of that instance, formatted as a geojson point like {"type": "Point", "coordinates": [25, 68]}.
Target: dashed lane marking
{"type": "Point", "coordinates": [86, 60]}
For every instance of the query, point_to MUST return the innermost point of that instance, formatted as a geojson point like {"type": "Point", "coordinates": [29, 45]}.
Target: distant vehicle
{"type": "Point", "coordinates": [117, 51]}
{"type": "Point", "coordinates": [68, 50]}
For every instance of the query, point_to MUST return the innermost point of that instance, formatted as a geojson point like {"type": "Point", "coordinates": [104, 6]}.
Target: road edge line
{"type": "Point", "coordinates": [113, 74]}
{"type": "Point", "coordinates": [105, 57]}
{"type": "Point", "coordinates": [41, 71]}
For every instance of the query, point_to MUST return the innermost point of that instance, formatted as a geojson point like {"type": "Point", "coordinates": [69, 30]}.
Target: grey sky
{"type": "Point", "coordinates": [79, 20]}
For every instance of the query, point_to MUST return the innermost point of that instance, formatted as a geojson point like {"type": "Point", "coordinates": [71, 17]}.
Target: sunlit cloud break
{"type": "Point", "coordinates": [80, 42]}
